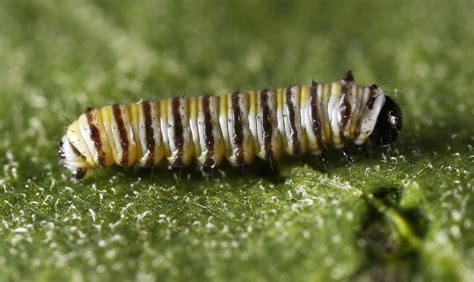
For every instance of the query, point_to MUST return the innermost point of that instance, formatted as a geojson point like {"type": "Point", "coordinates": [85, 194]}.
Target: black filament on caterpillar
{"type": "Point", "coordinates": [238, 127]}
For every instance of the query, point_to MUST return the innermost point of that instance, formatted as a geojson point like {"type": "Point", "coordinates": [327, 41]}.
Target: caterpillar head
{"type": "Point", "coordinates": [389, 124]}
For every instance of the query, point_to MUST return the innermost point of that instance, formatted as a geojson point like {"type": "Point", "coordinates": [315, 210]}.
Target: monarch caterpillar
{"type": "Point", "coordinates": [237, 126]}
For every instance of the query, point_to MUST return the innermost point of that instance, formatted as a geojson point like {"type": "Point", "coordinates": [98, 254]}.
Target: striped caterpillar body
{"type": "Point", "coordinates": [238, 126]}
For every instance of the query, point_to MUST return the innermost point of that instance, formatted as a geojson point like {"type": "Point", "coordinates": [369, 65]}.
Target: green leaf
{"type": "Point", "coordinates": [404, 213]}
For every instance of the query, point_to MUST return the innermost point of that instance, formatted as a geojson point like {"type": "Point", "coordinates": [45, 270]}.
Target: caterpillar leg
{"type": "Point", "coordinates": [347, 155]}
{"type": "Point", "coordinates": [362, 148]}
{"type": "Point", "coordinates": [324, 160]}
{"type": "Point", "coordinates": [79, 174]}
{"type": "Point", "coordinates": [206, 171]}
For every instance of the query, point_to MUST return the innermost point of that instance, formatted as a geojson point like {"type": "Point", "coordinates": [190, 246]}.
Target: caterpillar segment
{"type": "Point", "coordinates": [209, 148]}
{"type": "Point", "coordinates": [238, 127]}
{"type": "Point", "coordinates": [240, 148]}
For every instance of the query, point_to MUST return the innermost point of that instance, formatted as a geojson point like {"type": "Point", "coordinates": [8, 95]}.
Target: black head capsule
{"type": "Point", "coordinates": [389, 124]}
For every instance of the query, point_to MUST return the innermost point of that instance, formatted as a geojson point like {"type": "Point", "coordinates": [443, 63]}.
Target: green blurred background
{"type": "Point", "coordinates": [403, 214]}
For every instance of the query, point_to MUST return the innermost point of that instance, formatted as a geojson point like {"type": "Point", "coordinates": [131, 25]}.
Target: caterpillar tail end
{"type": "Point", "coordinates": [71, 159]}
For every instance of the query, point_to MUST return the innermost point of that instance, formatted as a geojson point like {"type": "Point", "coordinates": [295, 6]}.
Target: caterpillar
{"type": "Point", "coordinates": [238, 127]}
